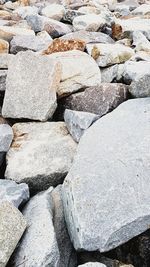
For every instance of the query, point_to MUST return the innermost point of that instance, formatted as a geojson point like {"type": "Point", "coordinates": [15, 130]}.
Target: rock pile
{"type": "Point", "coordinates": [74, 133]}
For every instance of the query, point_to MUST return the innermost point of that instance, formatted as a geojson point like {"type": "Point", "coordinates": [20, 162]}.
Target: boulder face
{"type": "Point", "coordinates": [35, 156]}
{"type": "Point", "coordinates": [31, 81]}
{"type": "Point", "coordinates": [106, 193]}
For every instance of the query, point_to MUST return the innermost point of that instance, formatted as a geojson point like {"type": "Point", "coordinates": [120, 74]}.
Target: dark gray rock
{"type": "Point", "coordinates": [3, 75]}
{"type": "Point", "coordinates": [17, 194]}
{"type": "Point", "coordinates": [106, 193]}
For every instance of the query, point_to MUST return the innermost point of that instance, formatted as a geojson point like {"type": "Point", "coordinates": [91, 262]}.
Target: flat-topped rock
{"type": "Point", "coordinates": [106, 193]}
{"type": "Point", "coordinates": [92, 264]}
{"type": "Point", "coordinates": [54, 11]}
{"type": "Point", "coordinates": [7, 32]}
{"type": "Point", "coordinates": [90, 22]}
{"type": "Point", "coordinates": [38, 78]}
{"type": "Point", "coordinates": [38, 145]}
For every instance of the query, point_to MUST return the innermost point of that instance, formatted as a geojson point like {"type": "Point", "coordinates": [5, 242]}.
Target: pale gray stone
{"type": "Point", "coordinates": [109, 74]}
{"type": "Point", "coordinates": [54, 11]}
{"type": "Point", "coordinates": [5, 59]}
{"type": "Point", "coordinates": [68, 257]}
{"type": "Point", "coordinates": [34, 43]}
{"type": "Point", "coordinates": [15, 193]}
{"type": "Point", "coordinates": [90, 22]}
{"type": "Point", "coordinates": [6, 137]}
{"type": "Point", "coordinates": [106, 193]}
{"type": "Point", "coordinates": [7, 32]}
{"type": "Point", "coordinates": [142, 10]}
{"type": "Point", "coordinates": [141, 87]}
{"type": "Point", "coordinates": [78, 121]}
{"type": "Point", "coordinates": [133, 71]}
{"type": "Point", "coordinates": [41, 154]}
{"type": "Point", "coordinates": [92, 264]}
{"type": "Point", "coordinates": [31, 86]}
{"type": "Point", "coordinates": [140, 42]}
{"type": "Point", "coordinates": [24, 11]}
{"type": "Point", "coordinates": [12, 226]}
{"type": "Point", "coordinates": [38, 246]}
{"type": "Point", "coordinates": [3, 75]}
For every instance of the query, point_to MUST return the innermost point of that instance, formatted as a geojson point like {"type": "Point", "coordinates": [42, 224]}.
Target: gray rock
{"type": "Point", "coordinates": [71, 14]}
{"type": "Point", "coordinates": [38, 246]}
{"type": "Point", "coordinates": [141, 87]}
{"type": "Point", "coordinates": [140, 42]}
{"type": "Point", "coordinates": [92, 264]}
{"type": "Point", "coordinates": [12, 226]}
{"type": "Point", "coordinates": [4, 60]}
{"type": "Point", "coordinates": [89, 37]}
{"type": "Point", "coordinates": [31, 86]}
{"type": "Point", "coordinates": [133, 71]}
{"type": "Point", "coordinates": [7, 32]}
{"type": "Point", "coordinates": [109, 74]}
{"type": "Point", "coordinates": [14, 193]}
{"type": "Point", "coordinates": [35, 156]}
{"type": "Point", "coordinates": [78, 121]}
{"type": "Point", "coordinates": [142, 10]}
{"type": "Point", "coordinates": [34, 43]}
{"type": "Point", "coordinates": [54, 11]}
{"type": "Point", "coordinates": [24, 11]}
{"type": "Point", "coordinates": [67, 253]}
{"type": "Point", "coordinates": [106, 193]}
{"type": "Point", "coordinates": [53, 27]}
{"type": "Point", "coordinates": [90, 22]}
{"type": "Point", "coordinates": [6, 137]}
{"type": "Point", "coordinates": [99, 99]}
{"type": "Point", "coordinates": [3, 75]}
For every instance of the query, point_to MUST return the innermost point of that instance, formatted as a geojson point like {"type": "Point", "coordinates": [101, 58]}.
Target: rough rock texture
{"type": "Point", "coordinates": [36, 77]}
{"type": "Point", "coordinates": [134, 71]}
{"type": "Point", "coordinates": [111, 168]}
{"type": "Point", "coordinates": [3, 75]}
{"type": "Point", "coordinates": [54, 11]}
{"type": "Point", "coordinates": [4, 46]}
{"type": "Point", "coordinates": [90, 22]}
{"type": "Point", "coordinates": [7, 32]}
{"type": "Point", "coordinates": [14, 193]}
{"type": "Point", "coordinates": [78, 121]}
{"type": "Point", "coordinates": [4, 60]}
{"type": "Point", "coordinates": [67, 253]}
{"type": "Point", "coordinates": [6, 137]}
{"type": "Point", "coordinates": [12, 226]}
{"type": "Point", "coordinates": [79, 70]}
{"type": "Point", "coordinates": [92, 264]}
{"type": "Point", "coordinates": [38, 246]}
{"type": "Point", "coordinates": [141, 87]}
{"type": "Point", "coordinates": [92, 99]}
{"type": "Point", "coordinates": [109, 54]}
{"type": "Point", "coordinates": [35, 156]}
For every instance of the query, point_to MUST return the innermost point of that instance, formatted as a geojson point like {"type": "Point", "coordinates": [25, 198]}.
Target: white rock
{"type": "Point", "coordinates": [7, 32]}
{"type": "Point", "coordinates": [25, 11]}
{"type": "Point", "coordinates": [6, 136]}
{"type": "Point", "coordinates": [79, 70]}
{"type": "Point", "coordinates": [53, 11]}
{"type": "Point", "coordinates": [90, 22]}
{"type": "Point", "coordinates": [142, 10]}
{"type": "Point", "coordinates": [140, 42]}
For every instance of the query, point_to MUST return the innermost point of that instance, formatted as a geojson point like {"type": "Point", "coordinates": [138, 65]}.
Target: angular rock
{"type": "Point", "coordinates": [59, 45]}
{"type": "Point", "coordinates": [92, 264]}
{"type": "Point", "coordinates": [79, 70]}
{"type": "Point", "coordinates": [109, 74]}
{"type": "Point", "coordinates": [4, 60]}
{"type": "Point", "coordinates": [70, 15]}
{"type": "Point", "coordinates": [141, 87]}
{"type": "Point", "coordinates": [141, 56]}
{"type": "Point", "coordinates": [12, 226]}
{"type": "Point", "coordinates": [54, 11]}
{"type": "Point", "coordinates": [3, 75]}
{"type": "Point", "coordinates": [17, 194]}
{"type": "Point", "coordinates": [110, 175]}
{"type": "Point", "coordinates": [34, 43]}
{"type": "Point", "coordinates": [78, 121]}
{"type": "Point", "coordinates": [99, 100]}
{"type": "Point", "coordinates": [88, 37]}
{"type": "Point", "coordinates": [133, 71]}
{"type": "Point", "coordinates": [53, 27]}
{"type": "Point", "coordinates": [38, 246]}
{"type": "Point", "coordinates": [43, 163]}
{"type": "Point", "coordinates": [142, 10]}
{"type": "Point", "coordinates": [25, 11]}
{"type": "Point", "coordinates": [109, 54]}
{"type": "Point", "coordinates": [90, 22]}
{"type": "Point", "coordinates": [66, 250]}
{"type": "Point", "coordinates": [36, 77]}
{"type": "Point", "coordinates": [6, 136]}
{"type": "Point", "coordinates": [7, 32]}
{"type": "Point", "coordinates": [4, 46]}
{"type": "Point", "coordinates": [140, 42]}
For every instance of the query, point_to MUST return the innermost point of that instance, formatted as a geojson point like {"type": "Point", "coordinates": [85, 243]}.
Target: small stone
{"type": "Point", "coordinates": [6, 137]}
{"type": "Point", "coordinates": [54, 11]}
{"type": "Point", "coordinates": [59, 45]}
{"type": "Point", "coordinates": [38, 247]}
{"type": "Point", "coordinates": [78, 121]}
{"type": "Point", "coordinates": [7, 32]}
{"type": "Point", "coordinates": [17, 194]}
{"type": "Point", "coordinates": [90, 22]}
{"type": "Point", "coordinates": [38, 145]}
{"type": "Point", "coordinates": [89, 10]}
{"type": "Point", "coordinates": [109, 54]}
{"type": "Point", "coordinates": [79, 71]}
{"type": "Point", "coordinates": [42, 76]}
{"type": "Point", "coordinates": [12, 226]}
{"type": "Point", "coordinates": [53, 27]}
{"type": "Point", "coordinates": [4, 46]}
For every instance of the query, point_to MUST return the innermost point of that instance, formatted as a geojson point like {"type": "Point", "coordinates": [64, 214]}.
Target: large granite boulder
{"type": "Point", "coordinates": [106, 193]}
{"type": "Point", "coordinates": [31, 86]}
{"type": "Point", "coordinates": [12, 226]}
{"type": "Point", "coordinates": [41, 154]}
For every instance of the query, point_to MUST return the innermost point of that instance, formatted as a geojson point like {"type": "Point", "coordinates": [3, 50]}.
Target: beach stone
{"type": "Point", "coordinates": [4, 46]}
{"type": "Point", "coordinates": [12, 226]}
{"type": "Point", "coordinates": [54, 11]}
{"type": "Point", "coordinates": [90, 22]}
{"type": "Point", "coordinates": [43, 163]}
{"type": "Point", "coordinates": [7, 32]}
{"type": "Point", "coordinates": [42, 76]}
{"type": "Point", "coordinates": [17, 194]}
{"type": "Point", "coordinates": [79, 71]}
{"type": "Point", "coordinates": [40, 232]}
{"type": "Point", "coordinates": [109, 168]}
{"type": "Point", "coordinates": [78, 121]}
{"type": "Point", "coordinates": [109, 54]}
